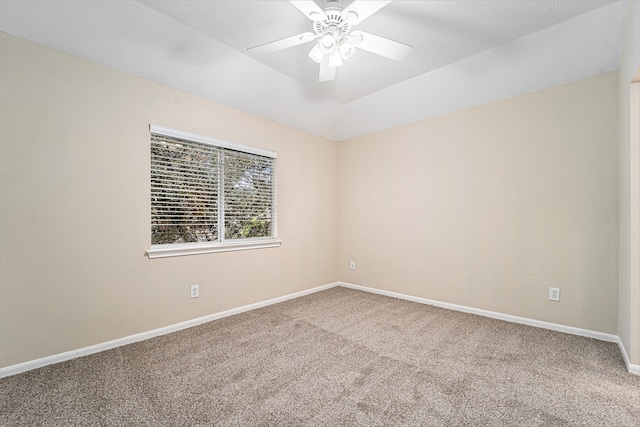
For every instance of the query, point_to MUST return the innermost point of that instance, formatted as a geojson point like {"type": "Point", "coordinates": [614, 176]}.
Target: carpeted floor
{"type": "Point", "coordinates": [337, 357]}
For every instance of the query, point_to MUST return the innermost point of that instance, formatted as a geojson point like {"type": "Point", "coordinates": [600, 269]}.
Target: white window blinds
{"type": "Point", "coordinates": [205, 190]}
{"type": "Point", "coordinates": [248, 194]}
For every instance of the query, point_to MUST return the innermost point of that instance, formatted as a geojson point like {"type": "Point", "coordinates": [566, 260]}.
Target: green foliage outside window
{"type": "Point", "coordinates": [199, 190]}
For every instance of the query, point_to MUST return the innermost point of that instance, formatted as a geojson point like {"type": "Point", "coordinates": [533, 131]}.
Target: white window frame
{"type": "Point", "coordinates": [180, 249]}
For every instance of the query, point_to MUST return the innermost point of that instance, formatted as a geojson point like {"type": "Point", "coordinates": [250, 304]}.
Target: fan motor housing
{"type": "Point", "coordinates": [334, 18]}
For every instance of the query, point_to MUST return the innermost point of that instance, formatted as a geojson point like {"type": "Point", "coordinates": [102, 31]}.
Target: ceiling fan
{"type": "Point", "coordinates": [336, 42]}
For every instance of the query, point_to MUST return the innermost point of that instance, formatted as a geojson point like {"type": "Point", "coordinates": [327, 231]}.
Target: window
{"type": "Point", "coordinates": [209, 195]}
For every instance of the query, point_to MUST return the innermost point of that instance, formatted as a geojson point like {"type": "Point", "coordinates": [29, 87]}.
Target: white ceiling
{"type": "Point", "coordinates": [465, 53]}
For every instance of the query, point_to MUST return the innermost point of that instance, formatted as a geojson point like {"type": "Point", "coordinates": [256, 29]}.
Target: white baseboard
{"type": "Point", "coordinates": [56, 358]}
{"type": "Point", "coordinates": [634, 369]}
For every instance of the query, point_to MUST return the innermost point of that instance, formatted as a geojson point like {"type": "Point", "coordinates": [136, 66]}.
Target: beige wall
{"type": "Point", "coordinates": [74, 207]}
{"type": "Point", "coordinates": [629, 189]}
{"type": "Point", "coordinates": [489, 206]}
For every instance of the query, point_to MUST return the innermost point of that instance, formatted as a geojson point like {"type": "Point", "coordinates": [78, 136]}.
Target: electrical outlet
{"type": "Point", "coordinates": [352, 265]}
{"type": "Point", "coordinates": [554, 294]}
{"type": "Point", "coordinates": [195, 291]}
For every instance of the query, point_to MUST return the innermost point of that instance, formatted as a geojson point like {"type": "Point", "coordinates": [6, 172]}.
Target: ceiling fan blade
{"type": "Point", "coordinates": [380, 45]}
{"type": "Point", "coordinates": [360, 10]}
{"type": "Point", "coordinates": [283, 43]}
{"type": "Point", "coordinates": [327, 72]}
{"type": "Point", "coordinates": [310, 9]}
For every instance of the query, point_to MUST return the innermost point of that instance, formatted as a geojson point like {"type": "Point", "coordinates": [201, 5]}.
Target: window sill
{"type": "Point", "coordinates": [163, 251]}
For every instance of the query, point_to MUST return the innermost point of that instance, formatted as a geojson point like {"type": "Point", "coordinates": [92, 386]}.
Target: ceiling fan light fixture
{"type": "Point", "coordinates": [327, 43]}
{"type": "Point", "coordinates": [316, 53]}
{"type": "Point", "coordinates": [346, 49]}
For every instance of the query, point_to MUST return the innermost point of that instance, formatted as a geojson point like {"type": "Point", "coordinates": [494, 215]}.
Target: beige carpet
{"type": "Point", "coordinates": [337, 357]}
